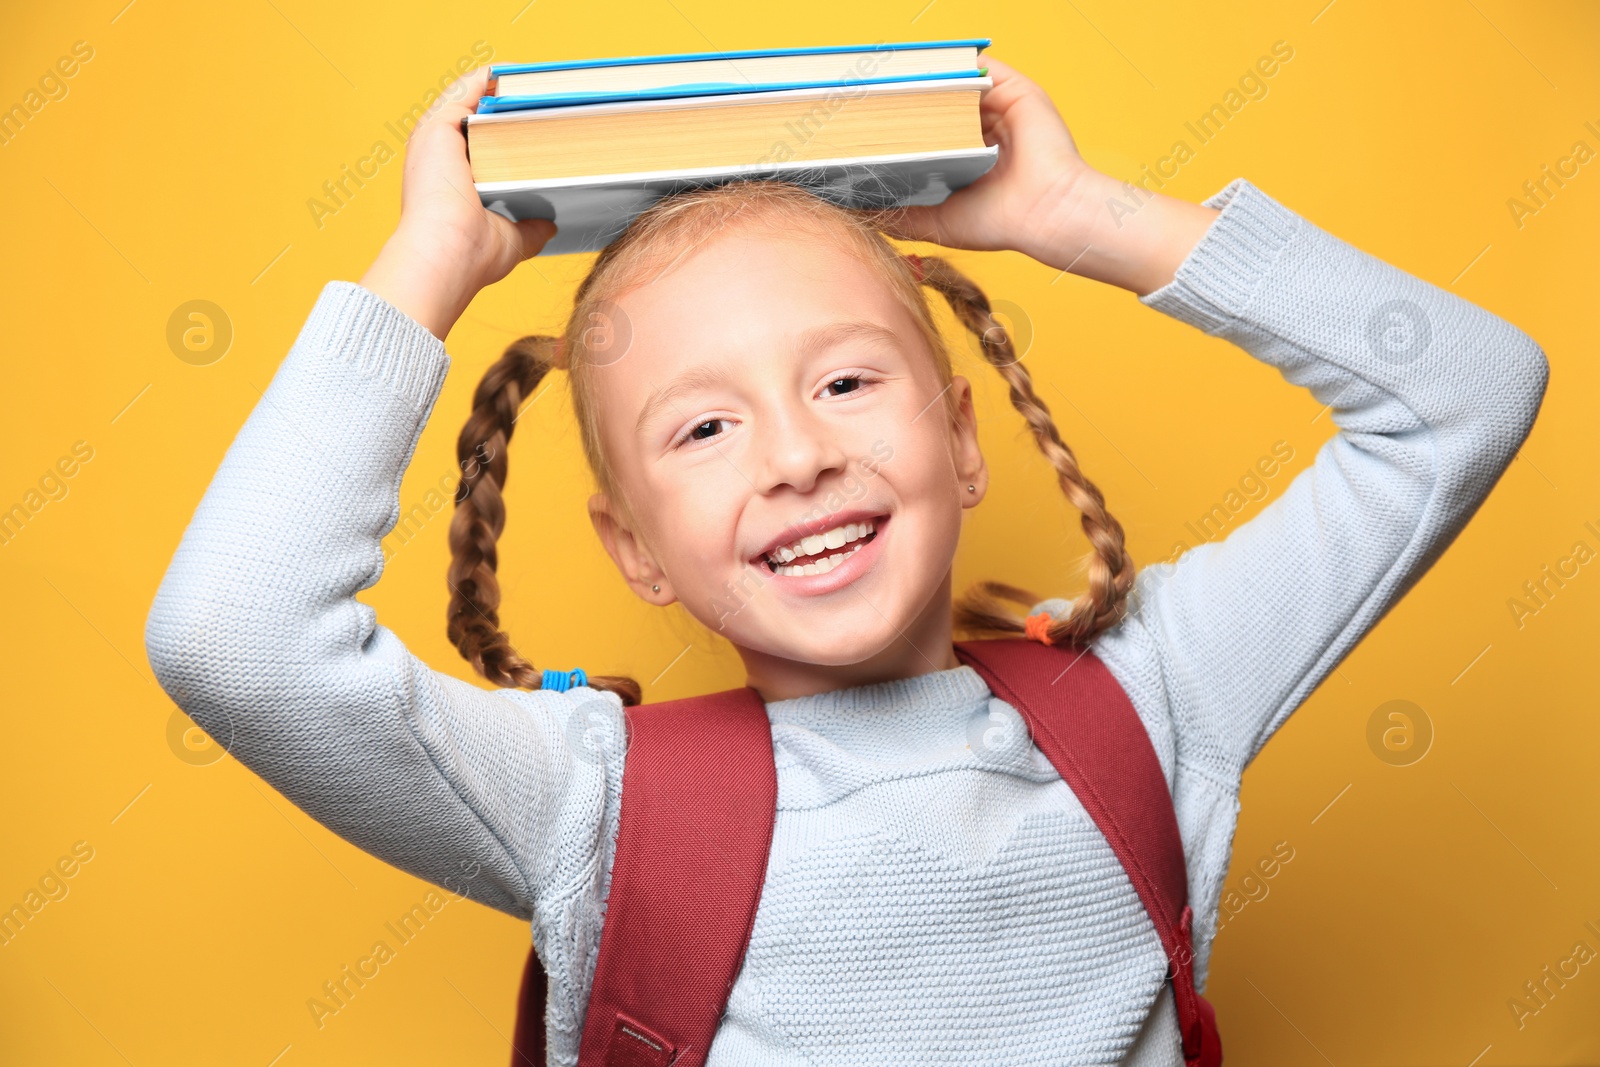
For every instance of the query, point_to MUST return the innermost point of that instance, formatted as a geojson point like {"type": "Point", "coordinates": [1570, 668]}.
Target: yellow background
{"type": "Point", "coordinates": [178, 168]}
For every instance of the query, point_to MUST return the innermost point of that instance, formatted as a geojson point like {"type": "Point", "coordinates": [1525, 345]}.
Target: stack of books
{"type": "Point", "coordinates": [590, 144]}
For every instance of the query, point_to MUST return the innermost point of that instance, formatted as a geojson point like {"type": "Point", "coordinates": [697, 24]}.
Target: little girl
{"type": "Point", "coordinates": [780, 445]}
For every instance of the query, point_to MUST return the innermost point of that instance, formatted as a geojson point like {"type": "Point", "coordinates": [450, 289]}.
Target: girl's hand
{"type": "Point", "coordinates": [1025, 199]}
{"type": "Point", "coordinates": [1043, 200]}
{"type": "Point", "coordinates": [447, 245]}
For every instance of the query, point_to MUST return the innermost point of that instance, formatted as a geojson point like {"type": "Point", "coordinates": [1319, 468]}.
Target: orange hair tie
{"type": "Point", "coordinates": [1038, 627]}
{"type": "Point", "coordinates": [916, 265]}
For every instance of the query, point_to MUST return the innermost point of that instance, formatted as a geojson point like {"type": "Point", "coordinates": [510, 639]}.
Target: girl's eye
{"type": "Point", "coordinates": [696, 434]}
{"type": "Point", "coordinates": [855, 382]}
{"type": "Point", "coordinates": [700, 431]}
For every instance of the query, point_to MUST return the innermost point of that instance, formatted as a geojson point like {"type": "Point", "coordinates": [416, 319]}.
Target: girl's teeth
{"type": "Point", "coordinates": [837, 537]}
{"type": "Point", "coordinates": [822, 566]}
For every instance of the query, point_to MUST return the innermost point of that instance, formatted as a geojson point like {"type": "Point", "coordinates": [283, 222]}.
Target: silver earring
{"type": "Point", "coordinates": [972, 489]}
{"type": "Point", "coordinates": [655, 589]}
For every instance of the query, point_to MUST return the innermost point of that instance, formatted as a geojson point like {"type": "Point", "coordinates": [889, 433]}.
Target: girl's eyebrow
{"type": "Point", "coordinates": [813, 341]}
{"type": "Point", "coordinates": [821, 338]}
{"type": "Point", "coordinates": [698, 377]}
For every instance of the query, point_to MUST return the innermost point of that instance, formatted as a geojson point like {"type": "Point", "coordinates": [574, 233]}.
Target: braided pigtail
{"type": "Point", "coordinates": [1110, 569]}
{"type": "Point", "coordinates": [480, 517]}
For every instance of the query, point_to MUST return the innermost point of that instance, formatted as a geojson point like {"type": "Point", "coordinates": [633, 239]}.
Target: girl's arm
{"type": "Point", "coordinates": [1432, 395]}
{"type": "Point", "coordinates": [257, 634]}
{"type": "Point", "coordinates": [504, 796]}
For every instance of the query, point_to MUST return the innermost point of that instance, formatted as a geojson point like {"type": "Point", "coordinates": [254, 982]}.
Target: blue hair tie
{"type": "Point", "coordinates": [561, 681]}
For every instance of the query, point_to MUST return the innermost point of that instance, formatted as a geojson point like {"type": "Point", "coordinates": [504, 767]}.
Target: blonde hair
{"type": "Point", "coordinates": [651, 244]}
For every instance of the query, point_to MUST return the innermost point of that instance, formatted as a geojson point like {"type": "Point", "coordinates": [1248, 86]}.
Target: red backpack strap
{"type": "Point", "coordinates": [1083, 722]}
{"type": "Point", "coordinates": [699, 796]}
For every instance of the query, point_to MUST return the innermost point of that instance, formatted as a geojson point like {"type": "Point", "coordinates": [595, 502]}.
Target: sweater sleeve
{"type": "Point", "coordinates": [1432, 396]}
{"type": "Point", "coordinates": [507, 797]}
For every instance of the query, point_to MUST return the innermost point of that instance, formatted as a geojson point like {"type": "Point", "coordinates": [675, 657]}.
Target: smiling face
{"type": "Point", "coordinates": [793, 467]}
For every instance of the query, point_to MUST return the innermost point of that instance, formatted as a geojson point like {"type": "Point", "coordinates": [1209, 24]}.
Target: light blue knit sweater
{"type": "Point", "coordinates": [927, 901]}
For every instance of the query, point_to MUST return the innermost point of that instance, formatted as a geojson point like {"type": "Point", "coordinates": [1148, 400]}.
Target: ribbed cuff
{"type": "Point", "coordinates": [351, 322]}
{"type": "Point", "coordinates": [1219, 278]}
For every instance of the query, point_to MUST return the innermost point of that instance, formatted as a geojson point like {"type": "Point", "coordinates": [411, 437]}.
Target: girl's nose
{"type": "Point", "coordinates": [796, 449]}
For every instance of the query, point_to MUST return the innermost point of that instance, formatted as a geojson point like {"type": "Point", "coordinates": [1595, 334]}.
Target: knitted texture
{"type": "Point", "coordinates": [935, 893]}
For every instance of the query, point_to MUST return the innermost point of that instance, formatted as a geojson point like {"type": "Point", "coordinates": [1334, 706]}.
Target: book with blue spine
{"type": "Point", "coordinates": [591, 143]}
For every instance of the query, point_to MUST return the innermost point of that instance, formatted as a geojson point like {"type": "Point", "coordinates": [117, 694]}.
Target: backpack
{"type": "Point", "coordinates": [696, 824]}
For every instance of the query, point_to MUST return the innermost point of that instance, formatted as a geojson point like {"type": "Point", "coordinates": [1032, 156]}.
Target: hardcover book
{"type": "Point", "coordinates": [591, 144]}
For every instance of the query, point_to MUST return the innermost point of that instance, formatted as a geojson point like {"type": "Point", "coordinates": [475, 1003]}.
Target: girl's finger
{"type": "Point", "coordinates": [459, 99]}
{"type": "Point", "coordinates": [1000, 96]}
{"type": "Point", "coordinates": [998, 70]}
{"type": "Point", "coordinates": [917, 223]}
{"type": "Point", "coordinates": [533, 234]}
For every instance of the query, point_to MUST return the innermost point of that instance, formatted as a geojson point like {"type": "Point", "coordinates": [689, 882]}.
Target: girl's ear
{"type": "Point", "coordinates": [628, 552]}
{"type": "Point", "coordinates": [970, 467]}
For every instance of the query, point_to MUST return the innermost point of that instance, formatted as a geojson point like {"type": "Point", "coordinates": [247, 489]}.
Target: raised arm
{"type": "Point", "coordinates": [1432, 395]}
{"type": "Point", "coordinates": [256, 631]}
{"type": "Point", "coordinates": [257, 634]}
